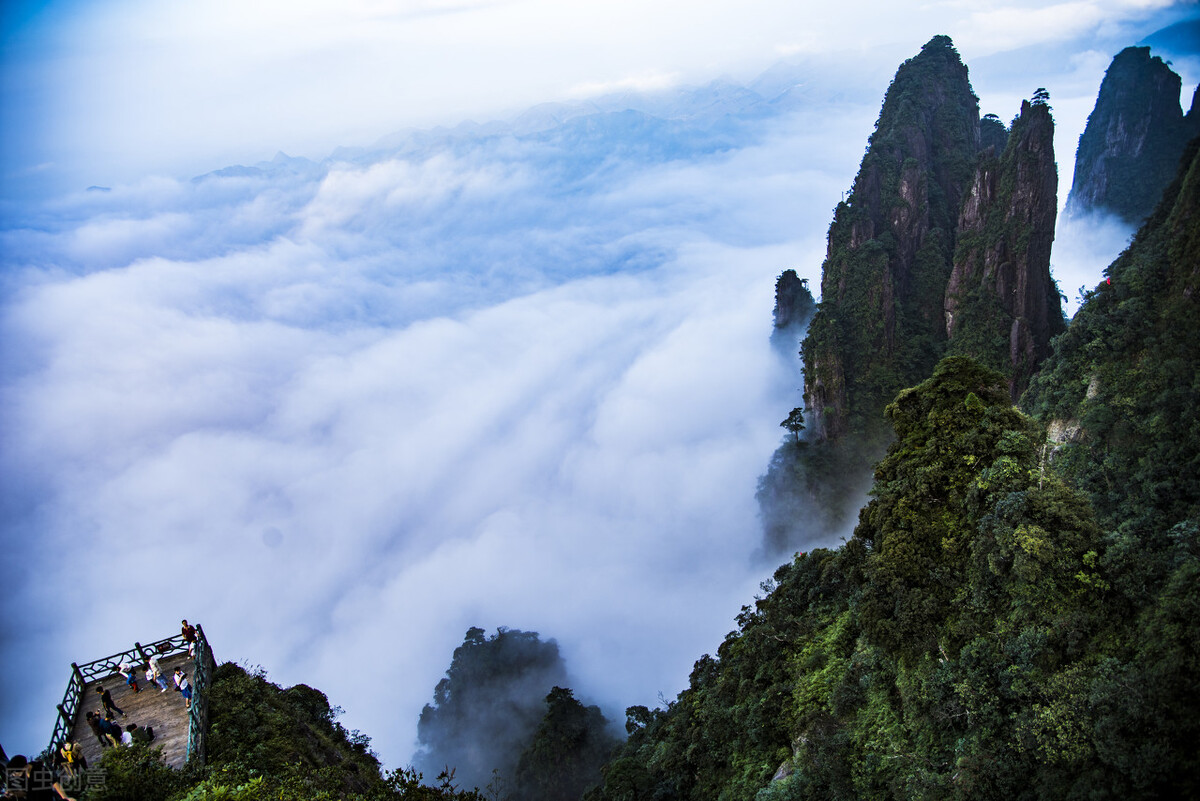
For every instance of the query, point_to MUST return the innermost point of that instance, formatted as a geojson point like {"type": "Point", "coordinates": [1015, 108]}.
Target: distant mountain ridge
{"type": "Point", "coordinates": [1130, 149]}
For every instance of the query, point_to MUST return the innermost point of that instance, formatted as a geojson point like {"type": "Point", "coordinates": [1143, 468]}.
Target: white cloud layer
{"type": "Point", "coordinates": [339, 413]}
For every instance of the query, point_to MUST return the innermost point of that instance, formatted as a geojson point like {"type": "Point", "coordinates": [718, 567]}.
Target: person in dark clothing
{"type": "Point", "coordinates": [32, 781]}
{"type": "Point", "coordinates": [106, 699]}
{"type": "Point", "coordinates": [111, 729]}
{"type": "Point", "coordinates": [189, 636]}
{"type": "Point", "coordinates": [94, 721]}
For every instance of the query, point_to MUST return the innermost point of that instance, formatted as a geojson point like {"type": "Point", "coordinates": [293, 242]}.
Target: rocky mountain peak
{"type": "Point", "coordinates": [1001, 305]}
{"type": "Point", "coordinates": [890, 246]}
{"type": "Point", "coordinates": [1130, 149]}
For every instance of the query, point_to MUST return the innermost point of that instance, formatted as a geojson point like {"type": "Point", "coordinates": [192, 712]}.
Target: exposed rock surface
{"type": "Point", "coordinates": [1130, 149]}
{"type": "Point", "coordinates": [879, 325]}
{"type": "Point", "coordinates": [794, 307]}
{"type": "Point", "coordinates": [1001, 305]}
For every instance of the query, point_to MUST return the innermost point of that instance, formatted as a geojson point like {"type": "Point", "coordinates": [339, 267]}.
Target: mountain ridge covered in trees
{"type": "Point", "coordinates": [1014, 615]}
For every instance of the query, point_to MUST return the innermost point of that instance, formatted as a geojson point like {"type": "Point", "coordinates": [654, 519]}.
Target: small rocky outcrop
{"type": "Point", "coordinates": [1130, 149]}
{"type": "Point", "coordinates": [794, 307]}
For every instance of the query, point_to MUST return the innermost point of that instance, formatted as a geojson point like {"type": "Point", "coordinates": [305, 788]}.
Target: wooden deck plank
{"type": "Point", "coordinates": [162, 711]}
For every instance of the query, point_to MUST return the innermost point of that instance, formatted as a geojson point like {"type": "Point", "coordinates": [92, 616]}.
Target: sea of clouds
{"type": "Point", "coordinates": [513, 374]}
{"type": "Point", "coordinates": [339, 412]}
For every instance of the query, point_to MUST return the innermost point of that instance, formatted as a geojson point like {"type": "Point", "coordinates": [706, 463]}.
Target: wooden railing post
{"type": "Point", "coordinates": [141, 653]}
{"type": "Point", "coordinates": [78, 676]}
{"type": "Point", "coordinates": [66, 719]}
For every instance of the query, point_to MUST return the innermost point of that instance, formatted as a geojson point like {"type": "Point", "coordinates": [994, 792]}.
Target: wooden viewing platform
{"type": "Point", "coordinates": [181, 732]}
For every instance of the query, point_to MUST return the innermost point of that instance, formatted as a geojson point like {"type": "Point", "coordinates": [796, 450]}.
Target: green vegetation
{"type": "Point", "coordinates": [1125, 373]}
{"type": "Point", "coordinates": [974, 639]}
{"type": "Point", "coordinates": [568, 748]}
{"type": "Point", "coordinates": [268, 743]}
{"type": "Point", "coordinates": [487, 709]}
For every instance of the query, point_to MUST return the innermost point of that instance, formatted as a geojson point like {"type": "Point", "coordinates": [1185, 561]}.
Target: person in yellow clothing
{"type": "Point", "coordinates": [73, 759]}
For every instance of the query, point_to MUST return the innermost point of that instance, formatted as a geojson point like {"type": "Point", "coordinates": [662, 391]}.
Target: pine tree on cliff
{"type": "Point", "coordinates": [1130, 149]}
{"type": "Point", "coordinates": [1002, 307]}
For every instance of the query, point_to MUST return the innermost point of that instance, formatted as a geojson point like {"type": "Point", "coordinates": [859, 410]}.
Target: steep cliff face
{"type": "Point", "coordinates": [943, 246]}
{"type": "Point", "coordinates": [1001, 305]}
{"type": "Point", "coordinates": [879, 325]}
{"type": "Point", "coordinates": [1130, 149]}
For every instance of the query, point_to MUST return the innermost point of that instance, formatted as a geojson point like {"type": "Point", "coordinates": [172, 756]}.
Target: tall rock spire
{"type": "Point", "coordinates": [1002, 307]}
{"type": "Point", "coordinates": [943, 245]}
{"type": "Point", "coordinates": [879, 326]}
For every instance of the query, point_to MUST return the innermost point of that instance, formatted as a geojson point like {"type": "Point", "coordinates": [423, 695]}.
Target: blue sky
{"type": "Point", "coordinates": [343, 404]}
{"type": "Point", "coordinates": [103, 92]}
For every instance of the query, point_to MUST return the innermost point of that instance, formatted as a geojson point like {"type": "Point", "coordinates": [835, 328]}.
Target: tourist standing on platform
{"type": "Point", "coordinates": [189, 636]}
{"type": "Point", "coordinates": [94, 721]}
{"type": "Point", "coordinates": [184, 686]}
{"type": "Point", "coordinates": [106, 699]}
{"type": "Point", "coordinates": [111, 730]}
{"type": "Point", "coordinates": [32, 781]}
{"type": "Point", "coordinates": [155, 673]}
{"type": "Point", "coordinates": [126, 669]}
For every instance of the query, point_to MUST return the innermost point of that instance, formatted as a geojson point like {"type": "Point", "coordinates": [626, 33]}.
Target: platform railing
{"type": "Point", "coordinates": [81, 675]}
{"type": "Point", "coordinates": [202, 667]}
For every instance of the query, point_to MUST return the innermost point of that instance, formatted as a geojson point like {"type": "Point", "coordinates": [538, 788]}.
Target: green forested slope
{"type": "Point", "coordinates": [1123, 385]}
{"type": "Point", "coordinates": [1006, 621]}
{"type": "Point", "coordinates": [267, 743]}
